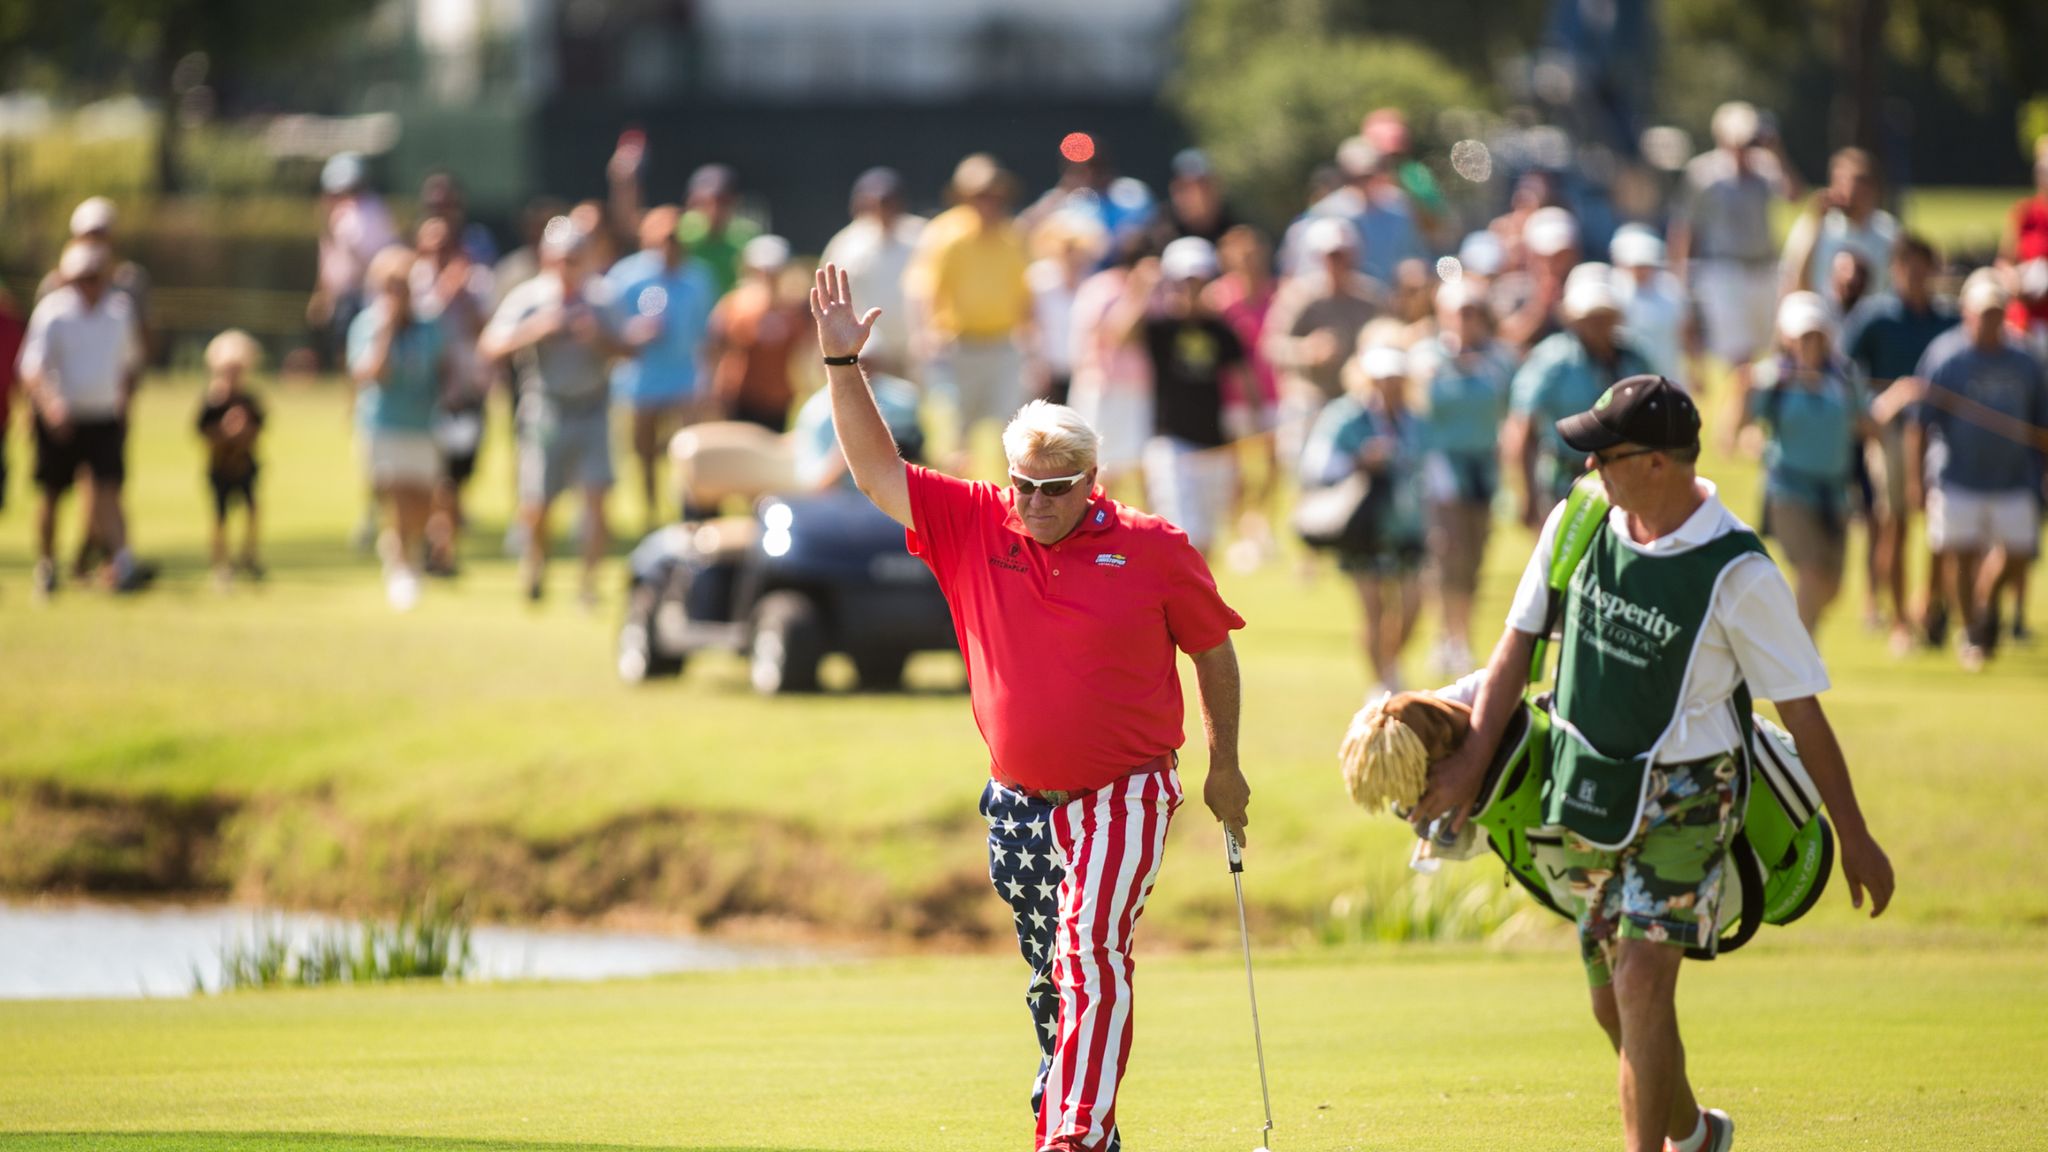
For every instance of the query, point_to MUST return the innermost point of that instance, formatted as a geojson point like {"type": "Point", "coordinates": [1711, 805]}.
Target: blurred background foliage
{"type": "Point", "coordinates": [1267, 85]}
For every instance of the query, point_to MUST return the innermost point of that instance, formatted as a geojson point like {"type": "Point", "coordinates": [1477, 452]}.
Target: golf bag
{"type": "Point", "coordinates": [1779, 861]}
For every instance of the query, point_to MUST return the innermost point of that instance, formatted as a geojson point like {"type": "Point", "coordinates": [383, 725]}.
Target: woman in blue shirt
{"type": "Point", "coordinates": [1371, 427]}
{"type": "Point", "coordinates": [1468, 376]}
{"type": "Point", "coordinates": [1815, 413]}
{"type": "Point", "coordinates": [401, 367]}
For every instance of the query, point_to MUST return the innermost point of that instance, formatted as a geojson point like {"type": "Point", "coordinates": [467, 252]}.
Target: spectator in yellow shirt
{"type": "Point", "coordinates": [969, 296]}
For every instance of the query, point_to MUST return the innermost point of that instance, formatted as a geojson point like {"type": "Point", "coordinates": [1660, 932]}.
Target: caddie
{"type": "Point", "coordinates": [1070, 609]}
{"type": "Point", "coordinates": [1674, 618]}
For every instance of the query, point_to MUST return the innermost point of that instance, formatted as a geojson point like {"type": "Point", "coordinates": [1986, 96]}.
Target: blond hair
{"type": "Point", "coordinates": [1051, 436]}
{"type": "Point", "coordinates": [233, 348]}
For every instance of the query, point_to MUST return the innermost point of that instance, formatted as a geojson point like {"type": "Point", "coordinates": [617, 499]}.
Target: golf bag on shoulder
{"type": "Point", "coordinates": [1779, 861]}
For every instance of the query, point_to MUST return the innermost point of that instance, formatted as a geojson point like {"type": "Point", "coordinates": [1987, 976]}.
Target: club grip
{"type": "Point", "coordinates": [1231, 849]}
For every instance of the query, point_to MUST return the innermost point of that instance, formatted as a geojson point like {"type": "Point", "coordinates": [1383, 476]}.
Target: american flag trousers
{"type": "Point", "coordinates": [1076, 876]}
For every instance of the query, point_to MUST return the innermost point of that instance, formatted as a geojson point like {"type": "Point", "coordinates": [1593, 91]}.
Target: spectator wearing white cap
{"type": "Point", "coordinates": [1314, 324]}
{"type": "Point", "coordinates": [1197, 362]}
{"type": "Point", "coordinates": [355, 225]}
{"type": "Point", "coordinates": [1655, 314]}
{"type": "Point", "coordinates": [1372, 428]}
{"type": "Point", "coordinates": [1815, 412]}
{"type": "Point", "coordinates": [1721, 242]}
{"type": "Point", "coordinates": [560, 331]}
{"type": "Point", "coordinates": [1373, 202]}
{"type": "Point", "coordinates": [80, 360]}
{"type": "Point", "coordinates": [94, 220]}
{"type": "Point", "coordinates": [1563, 375]}
{"type": "Point", "coordinates": [1465, 374]}
{"type": "Point", "coordinates": [1550, 250]}
{"type": "Point", "coordinates": [1974, 451]}
{"type": "Point", "coordinates": [874, 250]}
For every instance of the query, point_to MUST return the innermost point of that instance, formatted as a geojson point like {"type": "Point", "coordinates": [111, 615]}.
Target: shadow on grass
{"type": "Point", "coordinates": [326, 1142]}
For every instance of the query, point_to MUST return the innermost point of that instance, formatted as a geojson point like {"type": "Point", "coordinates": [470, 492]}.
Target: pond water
{"type": "Point", "coordinates": [100, 951]}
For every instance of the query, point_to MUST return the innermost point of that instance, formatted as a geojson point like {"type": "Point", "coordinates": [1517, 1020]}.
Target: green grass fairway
{"type": "Point", "coordinates": [1935, 1050]}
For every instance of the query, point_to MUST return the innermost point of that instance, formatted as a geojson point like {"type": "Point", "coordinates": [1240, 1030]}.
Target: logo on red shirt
{"type": "Point", "coordinates": [1110, 559]}
{"type": "Point", "coordinates": [1011, 563]}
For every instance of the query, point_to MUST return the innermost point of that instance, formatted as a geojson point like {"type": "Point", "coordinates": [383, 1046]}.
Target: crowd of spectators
{"type": "Point", "coordinates": [1374, 335]}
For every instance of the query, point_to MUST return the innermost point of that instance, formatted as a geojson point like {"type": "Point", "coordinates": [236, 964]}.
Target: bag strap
{"type": "Point", "coordinates": [1585, 512]}
{"type": "Point", "coordinates": [1749, 877]}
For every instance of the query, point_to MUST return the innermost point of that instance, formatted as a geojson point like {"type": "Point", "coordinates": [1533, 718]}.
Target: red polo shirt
{"type": "Point", "coordinates": [1070, 649]}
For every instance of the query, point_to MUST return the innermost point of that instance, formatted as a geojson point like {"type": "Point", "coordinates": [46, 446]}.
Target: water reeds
{"type": "Point", "coordinates": [427, 942]}
{"type": "Point", "coordinates": [1468, 904]}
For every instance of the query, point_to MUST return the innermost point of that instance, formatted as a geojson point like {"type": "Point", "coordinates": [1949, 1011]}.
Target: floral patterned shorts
{"type": "Point", "coordinates": [1665, 884]}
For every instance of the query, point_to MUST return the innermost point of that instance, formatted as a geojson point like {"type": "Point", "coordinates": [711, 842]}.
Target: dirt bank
{"type": "Point", "coordinates": [301, 851]}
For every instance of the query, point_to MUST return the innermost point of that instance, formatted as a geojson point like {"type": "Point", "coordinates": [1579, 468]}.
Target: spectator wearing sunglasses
{"type": "Point", "coordinates": [1070, 609]}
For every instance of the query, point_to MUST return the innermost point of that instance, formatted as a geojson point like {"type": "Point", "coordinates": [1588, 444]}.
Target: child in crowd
{"type": "Point", "coordinates": [230, 419]}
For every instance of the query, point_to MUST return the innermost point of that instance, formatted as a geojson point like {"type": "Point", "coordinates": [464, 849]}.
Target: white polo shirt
{"type": "Point", "coordinates": [1752, 632]}
{"type": "Point", "coordinates": [83, 353]}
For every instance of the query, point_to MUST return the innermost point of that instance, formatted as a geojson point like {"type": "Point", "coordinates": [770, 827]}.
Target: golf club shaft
{"type": "Point", "coordinates": [1245, 934]}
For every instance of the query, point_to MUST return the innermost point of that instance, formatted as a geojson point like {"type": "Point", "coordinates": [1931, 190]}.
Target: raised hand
{"type": "Point", "coordinates": [841, 330]}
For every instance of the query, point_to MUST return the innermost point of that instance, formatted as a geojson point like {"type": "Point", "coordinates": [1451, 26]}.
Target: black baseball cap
{"type": "Point", "coordinates": [1646, 410]}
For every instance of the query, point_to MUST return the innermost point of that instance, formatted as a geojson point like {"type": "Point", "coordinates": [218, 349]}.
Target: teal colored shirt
{"type": "Point", "coordinates": [1560, 379]}
{"type": "Point", "coordinates": [814, 441]}
{"type": "Point", "coordinates": [1341, 432]}
{"type": "Point", "coordinates": [1468, 399]}
{"type": "Point", "coordinates": [1811, 422]}
{"type": "Point", "coordinates": [411, 390]}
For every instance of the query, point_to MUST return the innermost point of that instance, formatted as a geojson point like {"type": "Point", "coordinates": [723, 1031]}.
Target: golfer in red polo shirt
{"type": "Point", "coordinates": [1069, 607]}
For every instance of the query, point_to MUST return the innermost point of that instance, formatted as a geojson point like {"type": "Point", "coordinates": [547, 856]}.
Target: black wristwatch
{"type": "Point", "coordinates": [842, 361]}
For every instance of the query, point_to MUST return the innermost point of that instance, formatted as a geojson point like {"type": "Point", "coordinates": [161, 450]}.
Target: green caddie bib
{"type": "Point", "coordinates": [1632, 624]}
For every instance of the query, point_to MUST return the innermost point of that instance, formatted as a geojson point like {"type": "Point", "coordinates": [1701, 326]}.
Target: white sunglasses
{"type": "Point", "coordinates": [1055, 486]}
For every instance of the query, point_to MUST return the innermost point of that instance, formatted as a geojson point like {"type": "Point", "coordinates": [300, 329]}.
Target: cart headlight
{"type": "Point", "coordinates": [776, 519]}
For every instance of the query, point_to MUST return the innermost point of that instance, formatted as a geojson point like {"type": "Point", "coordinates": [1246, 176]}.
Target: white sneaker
{"type": "Point", "coordinates": [1720, 1131]}
{"type": "Point", "coordinates": [402, 588]}
{"type": "Point", "coordinates": [1720, 1136]}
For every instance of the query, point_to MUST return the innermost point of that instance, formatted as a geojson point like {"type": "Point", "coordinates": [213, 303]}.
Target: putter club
{"type": "Point", "coordinates": [1236, 854]}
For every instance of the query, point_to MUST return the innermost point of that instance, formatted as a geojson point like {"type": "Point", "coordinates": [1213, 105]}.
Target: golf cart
{"type": "Point", "coordinates": [804, 575]}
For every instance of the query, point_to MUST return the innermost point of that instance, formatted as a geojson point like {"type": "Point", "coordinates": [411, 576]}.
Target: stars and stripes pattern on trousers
{"type": "Point", "coordinates": [1076, 877]}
